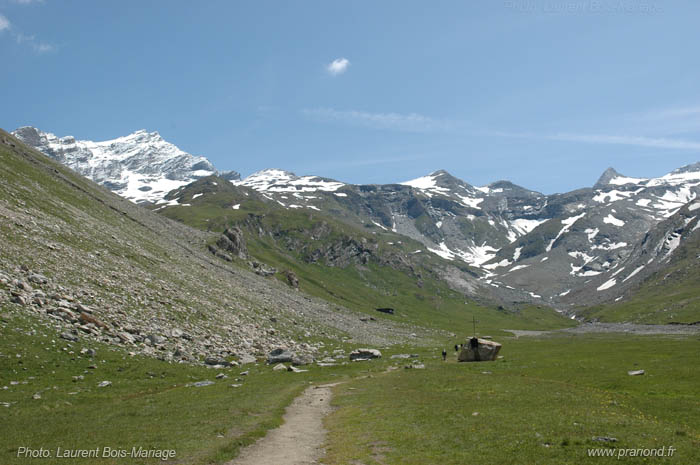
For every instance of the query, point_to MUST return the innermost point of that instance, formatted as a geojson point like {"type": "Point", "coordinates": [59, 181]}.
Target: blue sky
{"type": "Point", "coordinates": [544, 93]}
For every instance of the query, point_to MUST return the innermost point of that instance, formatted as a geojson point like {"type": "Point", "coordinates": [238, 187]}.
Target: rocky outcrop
{"type": "Point", "coordinates": [262, 269]}
{"type": "Point", "coordinates": [343, 252]}
{"type": "Point", "coordinates": [292, 279]}
{"type": "Point", "coordinates": [479, 350]}
{"type": "Point", "coordinates": [232, 241]}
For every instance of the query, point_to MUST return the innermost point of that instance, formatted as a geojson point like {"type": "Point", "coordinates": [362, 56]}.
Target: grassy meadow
{"type": "Point", "coordinates": [544, 402]}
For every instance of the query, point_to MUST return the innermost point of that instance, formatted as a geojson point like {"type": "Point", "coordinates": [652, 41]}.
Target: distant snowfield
{"type": "Point", "coordinates": [276, 181]}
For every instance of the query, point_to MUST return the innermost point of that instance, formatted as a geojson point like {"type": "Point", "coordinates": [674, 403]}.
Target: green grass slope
{"type": "Point", "coordinates": [391, 274]}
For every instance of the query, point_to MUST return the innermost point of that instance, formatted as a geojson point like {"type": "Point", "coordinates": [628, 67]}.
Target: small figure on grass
{"type": "Point", "coordinates": [444, 355]}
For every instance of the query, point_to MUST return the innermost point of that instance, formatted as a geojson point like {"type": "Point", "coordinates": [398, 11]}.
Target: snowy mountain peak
{"type": "Point", "coordinates": [142, 166]}
{"type": "Point", "coordinates": [605, 178]}
{"type": "Point", "coordinates": [508, 189]}
{"type": "Point", "coordinates": [692, 168]}
{"type": "Point", "coordinates": [441, 173]}
{"type": "Point", "coordinates": [437, 182]}
{"type": "Point", "coordinates": [276, 180]}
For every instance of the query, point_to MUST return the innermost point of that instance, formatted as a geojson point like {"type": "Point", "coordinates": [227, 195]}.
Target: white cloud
{"type": "Point", "coordinates": [20, 38]}
{"type": "Point", "coordinates": [639, 141]}
{"type": "Point", "coordinates": [338, 66]}
{"type": "Point", "coordinates": [31, 41]}
{"type": "Point", "coordinates": [4, 23]}
{"type": "Point", "coordinates": [411, 122]}
{"type": "Point", "coordinates": [672, 112]}
{"type": "Point", "coordinates": [27, 2]}
{"type": "Point", "coordinates": [43, 47]}
{"type": "Point", "coordinates": [665, 121]}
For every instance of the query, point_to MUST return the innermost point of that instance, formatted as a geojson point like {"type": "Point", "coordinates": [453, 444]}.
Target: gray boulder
{"type": "Point", "coordinates": [280, 356]}
{"type": "Point", "coordinates": [216, 361]}
{"type": "Point", "coordinates": [38, 278]}
{"type": "Point", "coordinates": [245, 359]}
{"type": "Point", "coordinates": [364, 354]}
{"type": "Point", "coordinates": [69, 336]}
{"type": "Point", "coordinates": [294, 369]}
{"type": "Point", "coordinates": [479, 350]}
{"type": "Point", "coordinates": [155, 339]}
{"type": "Point", "coordinates": [206, 382]}
{"type": "Point", "coordinates": [303, 359]}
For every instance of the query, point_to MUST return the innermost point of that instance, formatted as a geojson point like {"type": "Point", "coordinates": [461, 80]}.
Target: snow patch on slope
{"type": "Point", "coordinates": [567, 222]}
{"type": "Point", "coordinates": [275, 181]}
{"type": "Point", "coordinates": [612, 220]}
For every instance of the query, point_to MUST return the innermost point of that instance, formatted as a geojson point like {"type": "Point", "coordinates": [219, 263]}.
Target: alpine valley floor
{"type": "Point", "coordinates": [121, 331]}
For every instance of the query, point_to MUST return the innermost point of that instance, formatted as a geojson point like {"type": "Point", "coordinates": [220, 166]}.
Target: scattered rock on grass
{"type": "Point", "coordinates": [304, 359]}
{"type": "Point", "coordinates": [246, 359]}
{"type": "Point", "coordinates": [216, 361]}
{"type": "Point", "coordinates": [280, 367]}
{"type": "Point", "coordinates": [206, 382]}
{"type": "Point", "coordinates": [364, 354]}
{"type": "Point", "coordinates": [69, 336]}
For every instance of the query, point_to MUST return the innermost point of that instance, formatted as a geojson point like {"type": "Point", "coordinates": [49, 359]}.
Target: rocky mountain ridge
{"type": "Point", "coordinates": [545, 247]}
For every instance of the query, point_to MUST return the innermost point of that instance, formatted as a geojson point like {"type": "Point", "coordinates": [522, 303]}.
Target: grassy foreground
{"type": "Point", "coordinates": [544, 402]}
{"type": "Point", "coordinates": [148, 404]}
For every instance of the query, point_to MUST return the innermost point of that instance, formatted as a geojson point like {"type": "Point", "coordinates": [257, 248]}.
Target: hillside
{"type": "Point", "coordinates": [667, 270]}
{"type": "Point", "coordinates": [363, 268]}
{"type": "Point", "coordinates": [80, 259]}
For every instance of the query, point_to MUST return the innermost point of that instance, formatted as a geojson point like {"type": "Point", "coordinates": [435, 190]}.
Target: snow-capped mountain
{"type": "Point", "coordinates": [560, 248]}
{"type": "Point", "coordinates": [453, 219]}
{"type": "Point", "coordinates": [274, 180]}
{"type": "Point", "coordinates": [590, 242]}
{"type": "Point", "coordinates": [496, 215]}
{"type": "Point", "coordinates": [546, 245]}
{"type": "Point", "coordinates": [141, 167]}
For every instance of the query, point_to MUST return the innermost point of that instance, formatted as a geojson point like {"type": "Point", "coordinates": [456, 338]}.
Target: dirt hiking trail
{"type": "Point", "coordinates": [299, 440]}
